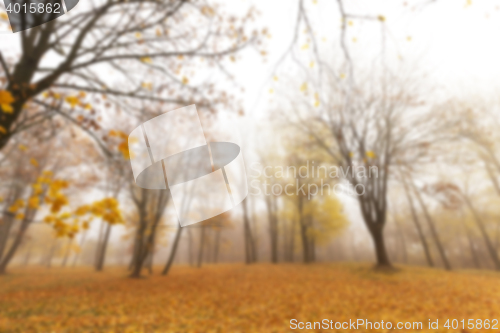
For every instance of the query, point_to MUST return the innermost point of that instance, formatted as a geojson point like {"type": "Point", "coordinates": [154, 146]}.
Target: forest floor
{"type": "Point", "coordinates": [239, 298]}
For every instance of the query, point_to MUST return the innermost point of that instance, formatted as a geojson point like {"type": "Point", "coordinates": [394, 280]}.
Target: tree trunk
{"type": "Point", "coordinates": [377, 233]}
{"type": "Point", "coordinates": [217, 245]}
{"type": "Point", "coordinates": [136, 263]}
{"type": "Point", "coordinates": [497, 237]}
{"type": "Point", "coordinates": [98, 249]}
{"type": "Point", "coordinates": [17, 241]}
{"type": "Point", "coordinates": [5, 232]}
{"type": "Point", "coordinates": [82, 243]}
{"type": "Point", "coordinates": [480, 224]}
{"type": "Point", "coordinates": [249, 244]}
{"type": "Point", "coordinates": [292, 241]}
{"type": "Point", "coordinates": [303, 231]}
{"type": "Point", "coordinates": [145, 241]}
{"type": "Point", "coordinates": [273, 227]}
{"type": "Point", "coordinates": [402, 241]}
{"type": "Point", "coordinates": [173, 251]}
{"type": "Point", "coordinates": [432, 227]}
{"type": "Point", "coordinates": [28, 256]}
{"type": "Point", "coordinates": [416, 222]}
{"type": "Point", "coordinates": [51, 254]}
{"type": "Point", "coordinates": [149, 261]}
{"type": "Point", "coordinates": [136, 260]}
{"type": "Point", "coordinates": [312, 249]}
{"type": "Point", "coordinates": [253, 234]}
{"type": "Point", "coordinates": [190, 244]}
{"type": "Point", "coordinates": [102, 249]}
{"type": "Point", "coordinates": [200, 249]}
{"type": "Point", "coordinates": [473, 253]}
{"type": "Point", "coordinates": [66, 254]}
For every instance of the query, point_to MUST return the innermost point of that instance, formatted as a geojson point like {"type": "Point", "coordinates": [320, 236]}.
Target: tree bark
{"type": "Point", "coordinates": [173, 251]}
{"type": "Point", "coordinates": [28, 256]}
{"type": "Point", "coordinates": [82, 243]}
{"type": "Point", "coordinates": [432, 227]}
{"type": "Point", "coordinates": [17, 241]}
{"type": "Point", "coordinates": [383, 261]}
{"type": "Point", "coordinates": [303, 230]}
{"type": "Point", "coordinates": [102, 249]}
{"type": "Point", "coordinates": [217, 245]}
{"type": "Point", "coordinates": [273, 227]}
{"type": "Point", "coordinates": [66, 254]}
{"type": "Point", "coordinates": [51, 254]}
{"type": "Point", "coordinates": [473, 253]}
{"type": "Point", "coordinates": [249, 244]}
{"type": "Point", "coordinates": [480, 224]}
{"type": "Point", "coordinates": [200, 249]}
{"type": "Point", "coordinates": [5, 232]}
{"type": "Point", "coordinates": [416, 222]}
{"type": "Point", "coordinates": [402, 241]}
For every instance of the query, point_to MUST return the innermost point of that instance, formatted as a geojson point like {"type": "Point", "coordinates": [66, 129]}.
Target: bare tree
{"type": "Point", "coordinates": [129, 38]}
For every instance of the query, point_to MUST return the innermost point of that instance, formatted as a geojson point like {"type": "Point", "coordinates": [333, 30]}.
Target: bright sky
{"type": "Point", "coordinates": [454, 42]}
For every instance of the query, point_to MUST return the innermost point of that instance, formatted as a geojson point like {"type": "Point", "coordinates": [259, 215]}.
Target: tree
{"type": "Point", "coordinates": [150, 206]}
{"type": "Point", "coordinates": [128, 38]}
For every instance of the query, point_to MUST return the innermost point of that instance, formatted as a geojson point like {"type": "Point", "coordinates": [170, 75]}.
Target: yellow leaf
{"type": "Point", "coordinates": [6, 97]}
{"type": "Point", "coordinates": [72, 100]}
{"type": "Point", "coordinates": [208, 11]}
{"type": "Point", "coordinates": [48, 173]}
{"type": "Point", "coordinates": [6, 108]}
{"type": "Point", "coordinates": [6, 100]}
{"type": "Point", "coordinates": [16, 206]}
{"type": "Point", "coordinates": [305, 47]}
{"type": "Point", "coordinates": [316, 100]}
{"type": "Point", "coordinates": [275, 78]}
{"type": "Point", "coordinates": [20, 216]}
{"type": "Point", "coordinates": [311, 64]}
{"type": "Point", "coordinates": [146, 60]}
{"type": "Point", "coordinates": [34, 162]}
{"type": "Point", "coordinates": [371, 154]}
{"type": "Point", "coordinates": [147, 85]}
{"type": "Point", "coordinates": [138, 35]}
{"type": "Point", "coordinates": [303, 87]}
{"type": "Point", "coordinates": [23, 148]}
{"type": "Point", "coordinates": [34, 202]}
{"type": "Point", "coordinates": [4, 16]}
{"type": "Point", "coordinates": [185, 80]}
{"type": "Point", "coordinates": [381, 18]}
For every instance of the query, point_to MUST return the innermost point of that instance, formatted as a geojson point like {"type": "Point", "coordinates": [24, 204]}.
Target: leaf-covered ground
{"type": "Point", "coordinates": [238, 298]}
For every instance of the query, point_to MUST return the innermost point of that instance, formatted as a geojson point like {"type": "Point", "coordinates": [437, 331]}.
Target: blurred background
{"type": "Point", "coordinates": [368, 130]}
